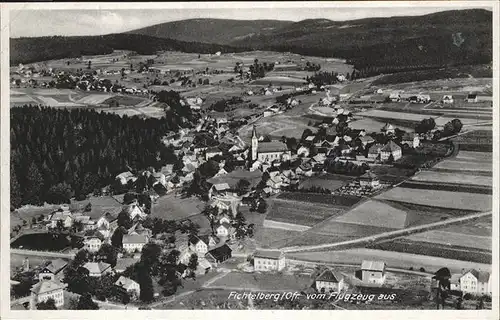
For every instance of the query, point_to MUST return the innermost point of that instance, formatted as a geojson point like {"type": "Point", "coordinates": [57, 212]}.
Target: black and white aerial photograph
{"type": "Point", "coordinates": [239, 156]}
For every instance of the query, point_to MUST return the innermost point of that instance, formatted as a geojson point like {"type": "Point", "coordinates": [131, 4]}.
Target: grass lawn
{"type": "Point", "coordinates": [100, 205]}
{"type": "Point", "coordinates": [28, 212]}
{"type": "Point", "coordinates": [433, 176]}
{"type": "Point", "coordinates": [325, 199]}
{"type": "Point", "coordinates": [274, 238]}
{"type": "Point", "coordinates": [174, 207]}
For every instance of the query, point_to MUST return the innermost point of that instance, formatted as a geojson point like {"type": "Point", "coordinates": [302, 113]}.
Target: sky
{"type": "Point", "coordinates": [43, 22]}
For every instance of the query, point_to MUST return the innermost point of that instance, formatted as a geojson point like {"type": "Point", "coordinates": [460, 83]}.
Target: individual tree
{"type": "Point", "coordinates": [150, 255]}
{"type": "Point", "coordinates": [262, 206]}
{"type": "Point", "coordinates": [50, 304]}
{"type": "Point", "coordinates": [146, 283]}
{"type": "Point", "coordinates": [117, 237]}
{"type": "Point", "coordinates": [124, 220]}
{"type": "Point", "coordinates": [86, 303]}
{"type": "Point", "coordinates": [242, 186]}
{"type": "Point", "coordinates": [89, 64]}
{"type": "Point", "coordinates": [108, 253]}
{"type": "Point", "coordinates": [193, 262]}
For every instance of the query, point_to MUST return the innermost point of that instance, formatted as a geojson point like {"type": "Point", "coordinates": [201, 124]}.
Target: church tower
{"type": "Point", "coordinates": [255, 144]}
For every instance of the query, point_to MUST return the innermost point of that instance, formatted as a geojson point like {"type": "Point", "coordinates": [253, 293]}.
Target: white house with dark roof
{"type": "Point", "coordinates": [92, 243]}
{"type": "Point", "coordinates": [132, 243]}
{"type": "Point", "coordinates": [391, 148]}
{"type": "Point", "coordinates": [447, 99]}
{"type": "Point", "coordinates": [54, 268]}
{"type": "Point", "coordinates": [128, 285]}
{"type": "Point", "coordinates": [373, 272]}
{"type": "Point", "coordinates": [476, 282]}
{"type": "Point", "coordinates": [269, 260]}
{"type": "Point", "coordinates": [45, 290]}
{"type": "Point", "coordinates": [388, 129]}
{"type": "Point", "coordinates": [369, 179]}
{"type": "Point", "coordinates": [329, 281]}
{"type": "Point", "coordinates": [218, 189]}
{"type": "Point", "coordinates": [224, 230]}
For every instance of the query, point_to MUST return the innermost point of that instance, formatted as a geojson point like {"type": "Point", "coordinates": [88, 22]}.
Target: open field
{"type": "Point", "coordinates": [307, 214]}
{"type": "Point", "coordinates": [453, 238]}
{"type": "Point", "coordinates": [277, 126]}
{"type": "Point", "coordinates": [273, 238]}
{"type": "Point", "coordinates": [100, 205]}
{"type": "Point", "coordinates": [320, 199]}
{"type": "Point", "coordinates": [479, 140]}
{"type": "Point", "coordinates": [453, 251]}
{"type": "Point", "coordinates": [392, 259]}
{"type": "Point", "coordinates": [263, 281]}
{"type": "Point", "coordinates": [377, 214]}
{"type": "Point", "coordinates": [436, 198]}
{"type": "Point", "coordinates": [468, 161]}
{"type": "Point", "coordinates": [371, 125]}
{"type": "Point", "coordinates": [278, 81]}
{"type": "Point", "coordinates": [173, 207]}
{"type": "Point", "coordinates": [16, 261]}
{"type": "Point", "coordinates": [327, 180]}
{"type": "Point", "coordinates": [435, 176]}
{"type": "Point", "coordinates": [28, 212]}
{"type": "Point", "coordinates": [480, 227]}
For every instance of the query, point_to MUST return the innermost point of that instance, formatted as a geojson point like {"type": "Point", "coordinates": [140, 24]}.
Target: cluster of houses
{"type": "Point", "coordinates": [476, 282]}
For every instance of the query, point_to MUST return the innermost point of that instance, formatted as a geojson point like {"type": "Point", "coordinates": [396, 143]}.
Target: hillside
{"type": "Point", "coordinates": [26, 50]}
{"type": "Point", "coordinates": [222, 31]}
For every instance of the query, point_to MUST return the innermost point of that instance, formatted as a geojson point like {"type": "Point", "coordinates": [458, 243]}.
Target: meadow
{"type": "Point", "coordinates": [447, 177]}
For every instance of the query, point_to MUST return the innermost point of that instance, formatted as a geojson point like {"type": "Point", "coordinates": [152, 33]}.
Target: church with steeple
{"type": "Point", "coordinates": [267, 152]}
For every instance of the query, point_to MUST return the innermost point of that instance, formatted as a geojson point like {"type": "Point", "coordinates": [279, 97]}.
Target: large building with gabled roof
{"type": "Point", "coordinates": [45, 290]}
{"type": "Point", "coordinates": [329, 281]}
{"type": "Point", "coordinates": [267, 152]}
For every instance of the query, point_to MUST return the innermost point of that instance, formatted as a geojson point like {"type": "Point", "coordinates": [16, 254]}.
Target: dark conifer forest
{"type": "Point", "coordinates": [60, 153]}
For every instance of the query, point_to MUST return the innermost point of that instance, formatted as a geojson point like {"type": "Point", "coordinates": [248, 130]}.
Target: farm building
{"type": "Point", "coordinates": [369, 179]}
{"type": "Point", "coordinates": [219, 254]}
{"type": "Point", "coordinates": [476, 282]}
{"type": "Point", "coordinates": [378, 214]}
{"type": "Point", "coordinates": [374, 151]}
{"type": "Point", "coordinates": [373, 272]}
{"type": "Point", "coordinates": [390, 149]}
{"type": "Point", "coordinates": [329, 281]}
{"type": "Point", "coordinates": [132, 243]}
{"type": "Point", "coordinates": [200, 244]}
{"type": "Point", "coordinates": [272, 260]}
{"type": "Point", "coordinates": [471, 98]}
{"type": "Point", "coordinates": [52, 269]}
{"type": "Point", "coordinates": [411, 139]}
{"type": "Point", "coordinates": [447, 99]}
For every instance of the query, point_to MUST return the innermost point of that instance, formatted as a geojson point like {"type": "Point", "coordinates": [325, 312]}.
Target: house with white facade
{"type": "Point", "coordinates": [476, 282]}
{"type": "Point", "coordinates": [45, 290]}
{"type": "Point", "coordinates": [329, 281]}
{"type": "Point", "coordinates": [373, 272]}
{"type": "Point", "coordinates": [269, 260]}
{"type": "Point", "coordinates": [133, 243]}
{"type": "Point", "coordinates": [128, 285]}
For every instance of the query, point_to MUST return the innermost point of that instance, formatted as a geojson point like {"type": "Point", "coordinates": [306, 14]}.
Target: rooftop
{"type": "Point", "coordinates": [47, 286]}
{"type": "Point", "coordinates": [134, 239]}
{"type": "Point", "coordinates": [96, 267]}
{"type": "Point", "coordinates": [268, 254]}
{"type": "Point", "coordinates": [373, 265]}
{"type": "Point", "coordinates": [273, 146]}
{"type": "Point", "coordinates": [330, 276]}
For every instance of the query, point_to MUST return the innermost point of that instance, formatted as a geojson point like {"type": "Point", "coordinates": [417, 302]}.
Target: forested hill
{"type": "Point", "coordinates": [26, 50]}
{"type": "Point", "coordinates": [223, 31]}
{"type": "Point", "coordinates": [389, 44]}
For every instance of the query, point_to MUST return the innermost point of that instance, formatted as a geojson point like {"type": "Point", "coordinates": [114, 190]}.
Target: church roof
{"type": "Point", "coordinates": [273, 146]}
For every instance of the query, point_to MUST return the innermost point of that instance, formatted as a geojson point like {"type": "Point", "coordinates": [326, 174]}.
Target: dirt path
{"type": "Point", "coordinates": [387, 235]}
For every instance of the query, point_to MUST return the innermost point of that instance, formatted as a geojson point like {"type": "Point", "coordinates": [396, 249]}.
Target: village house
{"type": "Point", "coordinates": [92, 243]}
{"type": "Point", "coordinates": [86, 222]}
{"type": "Point", "coordinates": [447, 99]}
{"type": "Point", "coordinates": [129, 286]}
{"type": "Point", "coordinates": [125, 177]}
{"type": "Point", "coordinates": [106, 224]}
{"type": "Point", "coordinates": [212, 152]}
{"type": "Point", "coordinates": [225, 230]}
{"type": "Point", "coordinates": [53, 269]}
{"type": "Point", "coordinates": [63, 215]}
{"type": "Point", "coordinates": [411, 139]}
{"type": "Point", "coordinates": [219, 254]}
{"type": "Point", "coordinates": [388, 129]}
{"type": "Point", "coordinates": [200, 244]}
{"type": "Point", "coordinates": [369, 179]}
{"type": "Point", "coordinates": [134, 243]}
{"type": "Point", "coordinates": [269, 260]}
{"type": "Point", "coordinates": [476, 282]}
{"type": "Point", "coordinates": [455, 281]}
{"type": "Point", "coordinates": [365, 140]}
{"type": "Point", "coordinates": [373, 272]}
{"type": "Point", "coordinates": [395, 97]}
{"type": "Point", "coordinates": [219, 189]}
{"type": "Point", "coordinates": [390, 149]}
{"type": "Point", "coordinates": [329, 281]}
{"type": "Point", "coordinates": [227, 202]}
{"type": "Point", "coordinates": [471, 98]}
{"type": "Point", "coordinates": [134, 211]}
{"type": "Point", "coordinates": [97, 269]}
{"type": "Point", "coordinates": [45, 290]}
